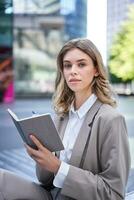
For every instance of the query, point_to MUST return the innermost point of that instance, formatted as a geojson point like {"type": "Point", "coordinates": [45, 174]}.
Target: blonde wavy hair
{"type": "Point", "coordinates": [63, 95]}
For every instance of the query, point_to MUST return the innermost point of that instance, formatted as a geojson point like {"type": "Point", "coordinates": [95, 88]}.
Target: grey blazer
{"type": "Point", "coordinates": [100, 160]}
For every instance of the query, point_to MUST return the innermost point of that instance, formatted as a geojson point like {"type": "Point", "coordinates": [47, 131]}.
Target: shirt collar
{"type": "Point", "coordinates": [84, 107]}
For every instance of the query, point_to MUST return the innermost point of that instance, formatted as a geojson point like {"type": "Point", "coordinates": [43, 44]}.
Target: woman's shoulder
{"type": "Point", "coordinates": [107, 112]}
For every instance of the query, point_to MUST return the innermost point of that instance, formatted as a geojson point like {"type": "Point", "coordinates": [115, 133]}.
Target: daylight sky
{"type": "Point", "coordinates": [96, 24]}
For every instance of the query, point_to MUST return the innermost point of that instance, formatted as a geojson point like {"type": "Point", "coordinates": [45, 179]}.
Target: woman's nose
{"type": "Point", "coordinates": [74, 69]}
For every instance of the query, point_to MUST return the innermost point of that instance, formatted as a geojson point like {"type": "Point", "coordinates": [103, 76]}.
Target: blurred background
{"type": "Point", "coordinates": [31, 35]}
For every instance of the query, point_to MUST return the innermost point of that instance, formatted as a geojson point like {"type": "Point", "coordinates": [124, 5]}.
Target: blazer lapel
{"type": "Point", "coordinates": [64, 121]}
{"type": "Point", "coordinates": [83, 135]}
{"type": "Point", "coordinates": [61, 124]}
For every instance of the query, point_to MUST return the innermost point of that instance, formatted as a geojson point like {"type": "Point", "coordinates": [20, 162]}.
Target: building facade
{"type": "Point", "coordinates": [40, 28]}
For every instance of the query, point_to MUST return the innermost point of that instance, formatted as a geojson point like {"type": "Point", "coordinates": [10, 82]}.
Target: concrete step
{"type": "Point", "coordinates": [18, 161]}
{"type": "Point", "coordinates": [130, 196]}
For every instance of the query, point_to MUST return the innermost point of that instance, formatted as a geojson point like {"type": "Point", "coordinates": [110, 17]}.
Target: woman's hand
{"type": "Point", "coordinates": [43, 156]}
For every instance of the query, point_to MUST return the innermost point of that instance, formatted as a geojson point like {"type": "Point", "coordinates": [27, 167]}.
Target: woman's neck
{"type": "Point", "coordinates": [80, 99]}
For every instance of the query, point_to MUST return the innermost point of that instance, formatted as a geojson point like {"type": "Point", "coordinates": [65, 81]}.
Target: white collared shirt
{"type": "Point", "coordinates": [76, 118]}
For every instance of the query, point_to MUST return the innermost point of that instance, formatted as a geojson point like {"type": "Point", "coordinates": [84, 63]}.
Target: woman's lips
{"type": "Point", "coordinates": [74, 80]}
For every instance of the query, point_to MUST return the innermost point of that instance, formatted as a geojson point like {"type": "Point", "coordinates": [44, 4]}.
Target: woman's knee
{"type": "Point", "coordinates": [14, 187]}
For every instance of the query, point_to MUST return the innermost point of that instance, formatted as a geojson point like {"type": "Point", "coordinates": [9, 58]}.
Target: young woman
{"type": "Point", "coordinates": [96, 160]}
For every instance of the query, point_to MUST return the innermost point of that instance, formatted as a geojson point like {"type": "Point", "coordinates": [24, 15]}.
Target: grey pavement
{"type": "Point", "coordinates": [13, 156]}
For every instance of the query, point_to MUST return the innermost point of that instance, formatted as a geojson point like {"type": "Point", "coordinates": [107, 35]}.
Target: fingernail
{"type": "Point", "coordinates": [30, 135]}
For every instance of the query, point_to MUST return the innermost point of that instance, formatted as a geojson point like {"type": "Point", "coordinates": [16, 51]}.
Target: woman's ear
{"type": "Point", "coordinates": [96, 74]}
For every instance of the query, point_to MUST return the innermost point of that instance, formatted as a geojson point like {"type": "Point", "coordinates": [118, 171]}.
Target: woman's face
{"type": "Point", "coordinates": [78, 71]}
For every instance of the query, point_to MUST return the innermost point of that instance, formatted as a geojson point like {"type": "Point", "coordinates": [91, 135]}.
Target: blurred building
{"type": "Point", "coordinates": [75, 14]}
{"type": "Point", "coordinates": [38, 31]}
{"type": "Point", "coordinates": [6, 41]}
{"type": "Point", "coordinates": [116, 14]}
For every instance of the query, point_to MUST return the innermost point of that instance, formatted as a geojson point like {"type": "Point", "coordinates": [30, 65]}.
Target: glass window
{"type": "Point", "coordinates": [40, 29]}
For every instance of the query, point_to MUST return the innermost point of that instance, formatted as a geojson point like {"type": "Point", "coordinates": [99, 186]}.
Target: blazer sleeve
{"type": "Point", "coordinates": [115, 164]}
{"type": "Point", "coordinates": [45, 177]}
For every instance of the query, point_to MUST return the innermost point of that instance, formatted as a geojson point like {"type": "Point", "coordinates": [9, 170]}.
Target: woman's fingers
{"type": "Point", "coordinates": [32, 152]}
{"type": "Point", "coordinates": [43, 156]}
{"type": "Point", "coordinates": [36, 142]}
{"type": "Point", "coordinates": [40, 148]}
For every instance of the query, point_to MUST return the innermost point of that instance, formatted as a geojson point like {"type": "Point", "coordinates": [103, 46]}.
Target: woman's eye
{"type": "Point", "coordinates": [67, 66]}
{"type": "Point", "coordinates": [82, 64]}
